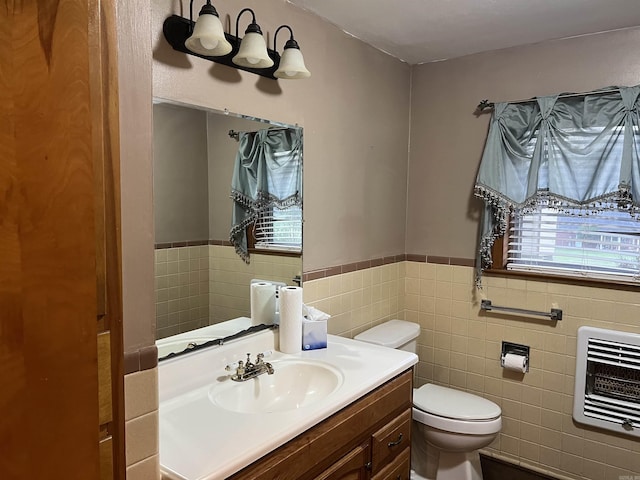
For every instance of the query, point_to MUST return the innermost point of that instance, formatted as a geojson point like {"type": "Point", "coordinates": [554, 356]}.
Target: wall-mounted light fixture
{"type": "Point", "coordinates": [291, 63]}
{"type": "Point", "coordinates": [206, 39]}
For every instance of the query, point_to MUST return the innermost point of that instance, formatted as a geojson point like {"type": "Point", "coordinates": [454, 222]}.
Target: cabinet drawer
{"type": "Point", "coordinates": [399, 469]}
{"type": "Point", "coordinates": [353, 466]}
{"type": "Point", "coordinates": [391, 439]}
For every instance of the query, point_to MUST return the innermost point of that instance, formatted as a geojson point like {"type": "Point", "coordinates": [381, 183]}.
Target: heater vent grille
{"type": "Point", "coordinates": [614, 353]}
{"type": "Point", "coordinates": [607, 388]}
{"type": "Point", "coordinates": [615, 411]}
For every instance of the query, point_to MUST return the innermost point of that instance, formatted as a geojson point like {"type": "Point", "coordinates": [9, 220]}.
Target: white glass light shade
{"type": "Point", "coordinates": [253, 52]}
{"type": "Point", "coordinates": [208, 37]}
{"type": "Point", "coordinates": [292, 65]}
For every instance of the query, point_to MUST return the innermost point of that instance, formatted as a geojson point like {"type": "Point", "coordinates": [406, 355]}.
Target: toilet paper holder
{"type": "Point", "coordinates": [515, 349]}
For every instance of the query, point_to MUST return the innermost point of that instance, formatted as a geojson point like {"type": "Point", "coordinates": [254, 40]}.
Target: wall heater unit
{"type": "Point", "coordinates": [607, 386]}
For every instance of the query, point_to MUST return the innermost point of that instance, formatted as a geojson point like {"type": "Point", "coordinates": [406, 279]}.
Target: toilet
{"type": "Point", "coordinates": [449, 425]}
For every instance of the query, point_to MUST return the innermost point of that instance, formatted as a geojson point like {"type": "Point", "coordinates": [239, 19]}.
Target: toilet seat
{"type": "Point", "coordinates": [467, 427]}
{"type": "Point", "coordinates": [455, 411]}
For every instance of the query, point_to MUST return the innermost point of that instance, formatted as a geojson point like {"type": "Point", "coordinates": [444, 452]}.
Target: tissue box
{"type": "Point", "coordinates": [314, 334]}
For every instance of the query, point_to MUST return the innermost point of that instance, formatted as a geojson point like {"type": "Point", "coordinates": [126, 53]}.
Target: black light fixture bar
{"type": "Point", "coordinates": [177, 29]}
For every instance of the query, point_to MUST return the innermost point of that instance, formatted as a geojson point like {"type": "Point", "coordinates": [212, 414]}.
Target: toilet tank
{"type": "Point", "coordinates": [398, 334]}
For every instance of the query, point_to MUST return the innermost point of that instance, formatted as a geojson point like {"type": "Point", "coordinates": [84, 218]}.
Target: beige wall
{"type": "Point", "coordinates": [180, 174]}
{"type": "Point", "coordinates": [354, 110]}
{"type": "Point", "coordinates": [230, 279]}
{"type": "Point", "coordinates": [447, 139]}
{"type": "Point", "coordinates": [459, 346]}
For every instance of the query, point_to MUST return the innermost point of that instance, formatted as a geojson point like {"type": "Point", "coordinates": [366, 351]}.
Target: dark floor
{"type": "Point", "coordinates": [493, 469]}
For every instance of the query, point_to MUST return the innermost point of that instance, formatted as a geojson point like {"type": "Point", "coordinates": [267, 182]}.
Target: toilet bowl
{"type": "Point", "coordinates": [449, 425]}
{"type": "Point", "coordinates": [456, 424]}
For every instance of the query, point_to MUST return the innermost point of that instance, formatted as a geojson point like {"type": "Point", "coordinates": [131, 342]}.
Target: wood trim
{"type": "Point", "coordinates": [499, 253]}
{"type": "Point", "coordinates": [399, 469]}
{"type": "Point", "coordinates": [278, 253]}
{"type": "Point", "coordinates": [112, 207]}
{"type": "Point", "coordinates": [104, 379]}
{"type": "Point", "coordinates": [106, 147]}
{"type": "Point", "coordinates": [352, 466]}
{"type": "Point", "coordinates": [106, 459]}
{"type": "Point", "coordinates": [48, 339]}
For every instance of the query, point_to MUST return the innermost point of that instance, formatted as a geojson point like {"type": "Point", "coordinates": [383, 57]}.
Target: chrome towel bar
{"type": "Point", "coordinates": [555, 314]}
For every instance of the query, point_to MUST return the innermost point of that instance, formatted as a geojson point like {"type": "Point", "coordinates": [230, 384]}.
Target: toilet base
{"type": "Point", "coordinates": [416, 476]}
{"type": "Point", "coordinates": [429, 462]}
{"type": "Point", "coordinates": [452, 468]}
{"type": "Point", "coordinates": [459, 466]}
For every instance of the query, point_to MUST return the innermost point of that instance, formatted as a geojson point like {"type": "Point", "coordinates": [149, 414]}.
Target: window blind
{"type": "Point", "coordinates": [279, 229]}
{"type": "Point", "coordinates": [602, 245]}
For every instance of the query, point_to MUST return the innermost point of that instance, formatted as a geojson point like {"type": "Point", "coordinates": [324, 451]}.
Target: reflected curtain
{"type": "Point", "coordinates": [579, 151]}
{"type": "Point", "coordinates": [267, 173]}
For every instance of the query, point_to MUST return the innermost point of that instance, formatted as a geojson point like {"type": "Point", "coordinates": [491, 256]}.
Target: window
{"type": "Point", "coordinates": [266, 190]}
{"type": "Point", "coordinates": [600, 245]}
{"type": "Point", "coordinates": [560, 181]}
{"type": "Point", "coordinates": [279, 230]}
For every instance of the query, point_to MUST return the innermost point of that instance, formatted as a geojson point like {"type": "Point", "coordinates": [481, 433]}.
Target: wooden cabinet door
{"type": "Point", "coordinates": [390, 440]}
{"type": "Point", "coordinates": [399, 469]}
{"type": "Point", "coordinates": [353, 466]}
{"type": "Point", "coordinates": [54, 152]}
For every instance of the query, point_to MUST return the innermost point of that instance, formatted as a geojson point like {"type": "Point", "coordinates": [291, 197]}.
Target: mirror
{"type": "Point", "coordinates": [200, 279]}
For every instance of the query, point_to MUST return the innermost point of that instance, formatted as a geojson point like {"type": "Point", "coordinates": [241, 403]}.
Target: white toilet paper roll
{"type": "Point", "coordinates": [263, 303]}
{"type": "Point", "coordinates": [515, 362]}
{"type": "Point", "coordinates": [290, 319]}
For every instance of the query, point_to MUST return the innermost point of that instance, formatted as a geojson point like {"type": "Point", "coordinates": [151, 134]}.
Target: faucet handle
{"type": "Point", "coordinates": [237, 366]}
{"type": "Point", "coordinates": [263, 355]}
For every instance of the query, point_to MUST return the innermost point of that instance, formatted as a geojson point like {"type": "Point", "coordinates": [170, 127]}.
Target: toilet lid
{"type": "Point", "coordinates": [450, 403]}
{"type": "Point", "coordinates": [392, 334]}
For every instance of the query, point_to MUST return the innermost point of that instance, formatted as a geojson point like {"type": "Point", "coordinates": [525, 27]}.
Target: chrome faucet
{"type": "Point", "coordinates": [248, 370]}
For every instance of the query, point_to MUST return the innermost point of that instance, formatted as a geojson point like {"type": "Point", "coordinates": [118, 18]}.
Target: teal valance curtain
{"type": "Point", "coordinates": [561, 151]}
{"type": "Point", "coordinates": [267, 173]}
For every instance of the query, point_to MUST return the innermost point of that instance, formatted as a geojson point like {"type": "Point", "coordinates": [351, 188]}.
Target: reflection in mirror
{"type": "Point", "coordinates": [200, 279]}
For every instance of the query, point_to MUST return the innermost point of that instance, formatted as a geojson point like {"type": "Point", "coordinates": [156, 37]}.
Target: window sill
{"type": "Point", "coordinates": [279, 253]}
{"type": "Point", "coordinates": [565, 279]}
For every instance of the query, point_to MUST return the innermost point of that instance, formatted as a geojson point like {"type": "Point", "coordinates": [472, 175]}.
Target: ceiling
{"type": "Point", "coordinates": [420, 31]}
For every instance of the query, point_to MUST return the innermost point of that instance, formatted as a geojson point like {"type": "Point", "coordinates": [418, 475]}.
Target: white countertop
{"type": "Point", "coordinates": [200, 440]}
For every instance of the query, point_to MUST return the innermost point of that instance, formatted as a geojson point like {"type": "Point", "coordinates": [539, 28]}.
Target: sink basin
{"type": "Point", "coordinates": [294, 384]}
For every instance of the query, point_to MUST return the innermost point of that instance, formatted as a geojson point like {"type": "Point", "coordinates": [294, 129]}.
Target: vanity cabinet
{"type": "Point", "coordinates": [367, 440]}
